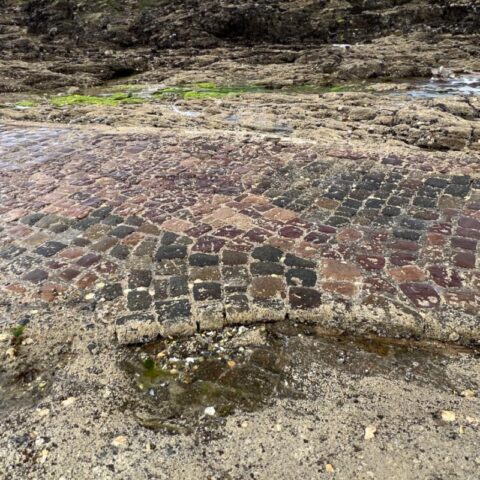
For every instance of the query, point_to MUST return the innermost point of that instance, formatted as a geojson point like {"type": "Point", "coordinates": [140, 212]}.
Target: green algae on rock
{"type": "Point", "coordinates": [111, 100]}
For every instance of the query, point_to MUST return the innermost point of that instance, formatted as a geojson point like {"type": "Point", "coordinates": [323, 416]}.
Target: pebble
{"type": "Point", "coordinates": [448, 416]}
{"type": "Point", "coordinates": [370, 432]}
{"type": "Point", "coordinates": [329, 468]}
{"type": "Point", "coordinates": [120, 441]}
{"type": "Point", "coordinates": [69, 401]}
{"type": "Point", "coordinates": [210, 411]}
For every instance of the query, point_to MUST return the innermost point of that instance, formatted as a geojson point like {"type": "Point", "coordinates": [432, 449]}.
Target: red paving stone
{"type": "Point", "coordinates": [173, 228]}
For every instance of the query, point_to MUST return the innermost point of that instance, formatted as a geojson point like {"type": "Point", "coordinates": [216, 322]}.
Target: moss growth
{"type": "Point", "coordinates": [205, 90]}
{"type": "Point", "coordinates": [111, 100]}
{"type": "Point", "coordinates": [25, 103]}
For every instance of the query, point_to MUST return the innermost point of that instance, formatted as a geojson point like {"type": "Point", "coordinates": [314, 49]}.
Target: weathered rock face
{"type": "Point", "coordinates": [182, 22]}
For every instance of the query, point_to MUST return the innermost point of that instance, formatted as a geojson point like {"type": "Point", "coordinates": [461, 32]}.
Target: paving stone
{"type": "Point", "coordinates": [207, 291]}
{"type": "Point", "coordinates": [177, 266]}
{"type": "Point", "coordinates": [146, 248]}
{"type": "Point", "coordinates": [134, 221]}
{"type": "Point", "coordinates": [81, 242]}
{"type": "Point", "coordinates": [236, 304]}
{"type": "Point", "coordinates": [120, 251]}
{"type": "Point", "coordinates": [161, 289]}
{"type": "Point", "coordinates": [345, 289]}
{"type": "Point", "coordinates": [301, 277]}
{"type": "Point", "coordinates": [88, 260]}
{"type": "Point", "coordinates": [461, 180]}
{"type": "Point", "coordinates": [266, 287]}
{"type": "Point", "coordinates": [464, 260]}
{"type": "Point", "coordinates": [205, 274]}
{"type": "Point", "coordinates": [36, 276]}
{"type": "Point", "coordinates": [138, 300]}
{"type": "Point", "coordinates": [59, 227]}
{"type": "Point", "coordinates": [374, 203]}
{"type": "Point", "coordinates": [401, 258]}
{"type": "Point", "coordinates": [203, 260]}
{"type": "Point", "coordinates": [50, 248]}
{"type": "Point", "coordinates": [413, 224]}
{"type": "Point", "coordinates": [173, 310]}
{"type": "Point", "coordinates": [317, 238]}
{"type": "Point", "coordinates": [112, 220]}
{"type": "Point", "coordinates": [464, 243]}
{"type": "Point", "coordinates": [406, 234]}
{"type": "Point", "coordinates": [337, 221]}
{"type": "Point", "coordinates": [469, 222]}
{"type": "Point", "coordinates": [104, 244]}
{"type": "Point", "coordinates": [371, 262]}
{"type": "Point", "coordinates": [168, 238]}
{"type": "Point", "coordinates": [122, 231]}
{"type": "Point", "coordinates": [69, 274]}
{"type": "Point", "coordinates": [47, 220]}
{"type": "Point", "coordinates": [390, 211]}
{"type": "Point", "coordinates": [436, 182]}
{"type": "Point", "coordinates": [407, 273]}
{"type": "Point", "coordinates": [231, 257]}
{"type": "Point", "coordinates": [86, 223]}
{"type": "Point", "coordinates": [209, 244]}
{"type": "Point", "coordinates": [444, 277]}
{"type": "Point", "coordinates": [178, 285]}
{"type": "Point", "coordinates": [457, 190]}
{"type": "Point", "coordinates": [111, 292]}
{"type": "Point", "coordinates": [11, 251]}
{"type": "Point", "coordinates": [396, 201]}
{"type": "Point", "coordinates": [102, 213]}
{"type": "Point", "coordinates": [294, 261]}
{"type": "Point", "coordinates": [266, 268]}
{"type": "Point", "coordinates": [87, 280]}
{"type": "Point", "coordinates": [340, 271]}
{"type": "Point", "coordinates": [267, 253]}
{"type": "Point", "coordinates": [139, 278]}
{"type": "Point", "coordinates": [304, 298]}
{"type": "Point", "coordinates": [168, 252]}
{"type": "Point", "coordinates": [32, 218]}
{"type": "Point", "coordinates": [422, 295]}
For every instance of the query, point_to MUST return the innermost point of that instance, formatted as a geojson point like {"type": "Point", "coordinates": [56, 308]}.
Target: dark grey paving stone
{"type": "Point", "coordinates": [267, 253]}
{"type": "Point", "coordinates": [120, 251]}
{"type": "Point", "coordinates": [138, 300]}
{"type": "Point", "coordinates": [111, 292]}
{"type": "Point", "coordinates": [49, 249]}
{"type": "Point", "coordinates": [203, 260]}
{"type": "Point", "coordinates": [32, 218]}
{"type": "Point", "coordinates": [139, 278]}
{"type": "Point", "coordinates": [173, 310]}
{"type": "Point", "coordinates": [178, 285]}
{"type": "Point", "coordinates": [168, 252]}
{"type": "Point", "coordinates": [266, 268]}
{"type": "Point", "coordinates": [11, 251]}
{"type": "Point", "coordinates": [207, 291]}
{"type": "Point", "coordinates": [301, 277]}
{"type": "Point", "coordinates": [122, 231]}
{"type": "Point", "coordinates": [294, 261]}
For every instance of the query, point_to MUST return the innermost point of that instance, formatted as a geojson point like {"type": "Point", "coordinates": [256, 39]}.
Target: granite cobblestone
{"type": "Point", "coordinates": [207, 237]}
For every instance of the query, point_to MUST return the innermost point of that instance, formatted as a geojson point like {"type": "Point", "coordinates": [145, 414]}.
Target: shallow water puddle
{"type": "Point", "coordinates": [464, 85]}
{"type": "Point", "coordinates": [185, 383]}
{"type": "Point", "coordinates": [24, 387]}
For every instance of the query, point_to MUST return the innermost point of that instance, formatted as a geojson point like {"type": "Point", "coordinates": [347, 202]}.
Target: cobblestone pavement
{"type": "Point", "coordinates": [177, 234]}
